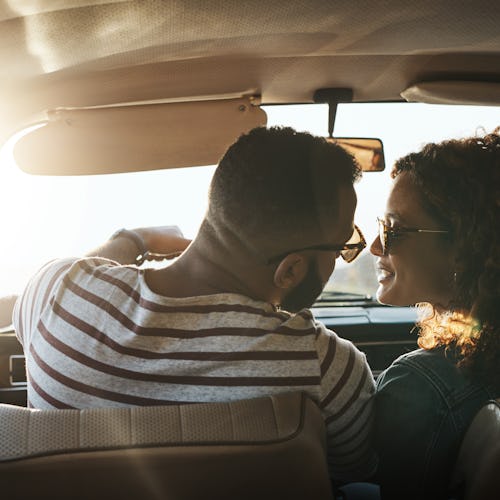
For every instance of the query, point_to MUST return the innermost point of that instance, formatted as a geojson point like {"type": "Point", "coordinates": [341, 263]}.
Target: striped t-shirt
{"type": "Point", "coordinates": [95, 335]}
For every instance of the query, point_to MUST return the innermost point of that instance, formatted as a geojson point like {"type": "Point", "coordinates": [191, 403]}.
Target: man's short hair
{"type": "Point", "coordinates": [276, 189]}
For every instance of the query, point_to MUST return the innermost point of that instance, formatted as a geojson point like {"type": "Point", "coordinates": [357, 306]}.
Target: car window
{"type": "Point", "coordinates": [48, 217]}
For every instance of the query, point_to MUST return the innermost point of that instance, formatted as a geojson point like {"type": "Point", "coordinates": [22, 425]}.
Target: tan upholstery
{"type": "Point", "coordinates": [478, 464]}
{"type": "Point", "coordinates": [96, 53]}
{"type": "Point", "coordinates": [272, 447]}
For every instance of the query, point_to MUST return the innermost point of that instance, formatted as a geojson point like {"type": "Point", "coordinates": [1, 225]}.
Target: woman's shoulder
{"type": "Point", "coordinates": [415, 370]}
{"type": "Point", "coordinates": [439, 360]}
{"type": "Point", "coordinates": [435, 370]}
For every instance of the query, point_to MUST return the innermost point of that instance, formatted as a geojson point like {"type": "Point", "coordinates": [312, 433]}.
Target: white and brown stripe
{"type": "Point", "coordinates": [95, 335]}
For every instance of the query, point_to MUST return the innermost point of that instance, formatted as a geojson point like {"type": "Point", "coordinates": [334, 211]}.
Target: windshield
{"type": "Point", "coordinates": [48, 217]}
{"type": "Point", "coordinates": [403, 128]}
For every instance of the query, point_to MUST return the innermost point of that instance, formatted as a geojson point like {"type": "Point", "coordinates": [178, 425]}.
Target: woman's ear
{"type": "Point", "coordinates": [291, 271]}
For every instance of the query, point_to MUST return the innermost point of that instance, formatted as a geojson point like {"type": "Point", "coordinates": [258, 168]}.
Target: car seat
{"type": "Point", "coordinates": [271, 447]}
{"type": "Point", "coordinates": [477, 470]}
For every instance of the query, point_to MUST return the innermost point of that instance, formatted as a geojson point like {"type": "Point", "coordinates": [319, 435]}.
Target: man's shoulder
{"type": "Point", "coordinates": [341, 345]}
{"type": "Point", "coordinates": [94, 267]}
{"type": "Point", "coordinates": [97, 262]}
{"type": "Point", "coordinates": [304, 319]}
{"type": "Point", "coordinates": [73, 264]}
{"type": "Point", "coordinates": [87, 272]}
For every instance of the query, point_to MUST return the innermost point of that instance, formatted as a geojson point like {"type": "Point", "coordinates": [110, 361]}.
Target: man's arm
{"type": "Point", "coordinates": [347, 389]}
{"type": "Point", "coordinates": [162, 242]}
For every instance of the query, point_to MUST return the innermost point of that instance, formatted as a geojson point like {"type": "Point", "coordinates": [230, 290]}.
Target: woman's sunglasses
{"type": "Point", "coordinates": [388, 234]}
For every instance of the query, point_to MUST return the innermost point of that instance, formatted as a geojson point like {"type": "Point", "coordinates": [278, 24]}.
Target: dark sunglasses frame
{"type": "Point", "coordinates": [348, 251]}
{"type": "Point", "coordinates": [387, 234]}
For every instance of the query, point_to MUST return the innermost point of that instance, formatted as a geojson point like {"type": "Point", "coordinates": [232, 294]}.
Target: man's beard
{"type": "Point", "coordinates": [306, 292]}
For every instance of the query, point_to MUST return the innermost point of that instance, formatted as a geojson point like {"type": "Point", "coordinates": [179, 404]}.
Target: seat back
{"type": "Point", "coordinates": [271, 447]}
{"type": "Point", "coordinates": [477, 470]}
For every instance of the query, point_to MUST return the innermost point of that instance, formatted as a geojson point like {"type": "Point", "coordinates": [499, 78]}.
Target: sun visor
{"type": "Point", "coordinates": [454, 92]}
{"type": "Point", "coordinates": [83, 141]}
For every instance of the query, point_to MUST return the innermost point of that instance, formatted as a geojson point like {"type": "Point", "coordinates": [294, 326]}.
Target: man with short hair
{"type": "Point", "coordinates": [228, 319]}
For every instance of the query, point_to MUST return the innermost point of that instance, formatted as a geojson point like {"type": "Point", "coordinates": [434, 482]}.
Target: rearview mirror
{"type": "Point", "coordinates": [369, 153]}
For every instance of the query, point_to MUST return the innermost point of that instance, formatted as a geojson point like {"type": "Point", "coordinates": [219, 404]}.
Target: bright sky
{"type": "Point", "coordinates": [47, 217]}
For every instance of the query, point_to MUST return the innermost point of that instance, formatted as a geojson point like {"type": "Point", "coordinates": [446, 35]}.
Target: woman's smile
{"type": "Point", "coordinates": [384, 274]}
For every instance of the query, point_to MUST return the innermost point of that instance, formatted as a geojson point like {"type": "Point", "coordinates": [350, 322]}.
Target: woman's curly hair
{"type": "Point", "coordinates": [460, 185]}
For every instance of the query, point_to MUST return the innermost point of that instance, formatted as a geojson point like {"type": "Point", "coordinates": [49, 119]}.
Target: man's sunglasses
{"type": "Point", "coordinates": [388, 234]}
{"type": "Point", "coordinates": [348, 251]}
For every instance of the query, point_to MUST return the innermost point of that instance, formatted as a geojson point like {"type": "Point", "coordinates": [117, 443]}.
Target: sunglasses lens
{"type": "Point", "coordinates": [357, 243]}
{"type": "Point", "coordinates": [350, 254]}
{"type": "Point", "coordinates": [383, 235]}
{"type": "Point", "coordinates": [356, 237]}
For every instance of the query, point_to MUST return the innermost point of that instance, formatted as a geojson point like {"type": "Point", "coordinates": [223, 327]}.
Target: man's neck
{"type": "Point", "coordinates": [202, 271]}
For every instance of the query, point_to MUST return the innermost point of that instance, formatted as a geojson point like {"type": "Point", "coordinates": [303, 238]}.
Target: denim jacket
{"type": "Point", "coordinates": [423, 405]}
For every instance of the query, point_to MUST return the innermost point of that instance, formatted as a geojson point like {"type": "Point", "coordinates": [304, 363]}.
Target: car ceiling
{"type": "Point", "coordinates": [77, 54]}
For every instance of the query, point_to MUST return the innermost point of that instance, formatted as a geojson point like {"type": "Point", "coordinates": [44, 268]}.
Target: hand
{"type": "Point", "coordinates": [163, 242]}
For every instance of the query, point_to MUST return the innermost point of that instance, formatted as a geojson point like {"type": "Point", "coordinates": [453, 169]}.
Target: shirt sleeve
{"type": "Point", "coordinates": [40, 291]}
{"type": "Point", "coordinates": [36, 296]}
{"type": "Point", "coordinates": [346, 399]}
{"type": "Point", "coordinates": [410, 428]}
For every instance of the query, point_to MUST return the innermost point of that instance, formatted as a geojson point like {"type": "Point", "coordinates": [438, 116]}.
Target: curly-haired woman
{"type": "Point", "coordinates": [439, 247]}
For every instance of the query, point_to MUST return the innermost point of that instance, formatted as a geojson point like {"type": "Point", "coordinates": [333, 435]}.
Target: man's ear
{"type": "Point", "coordinates": [291, 271]}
